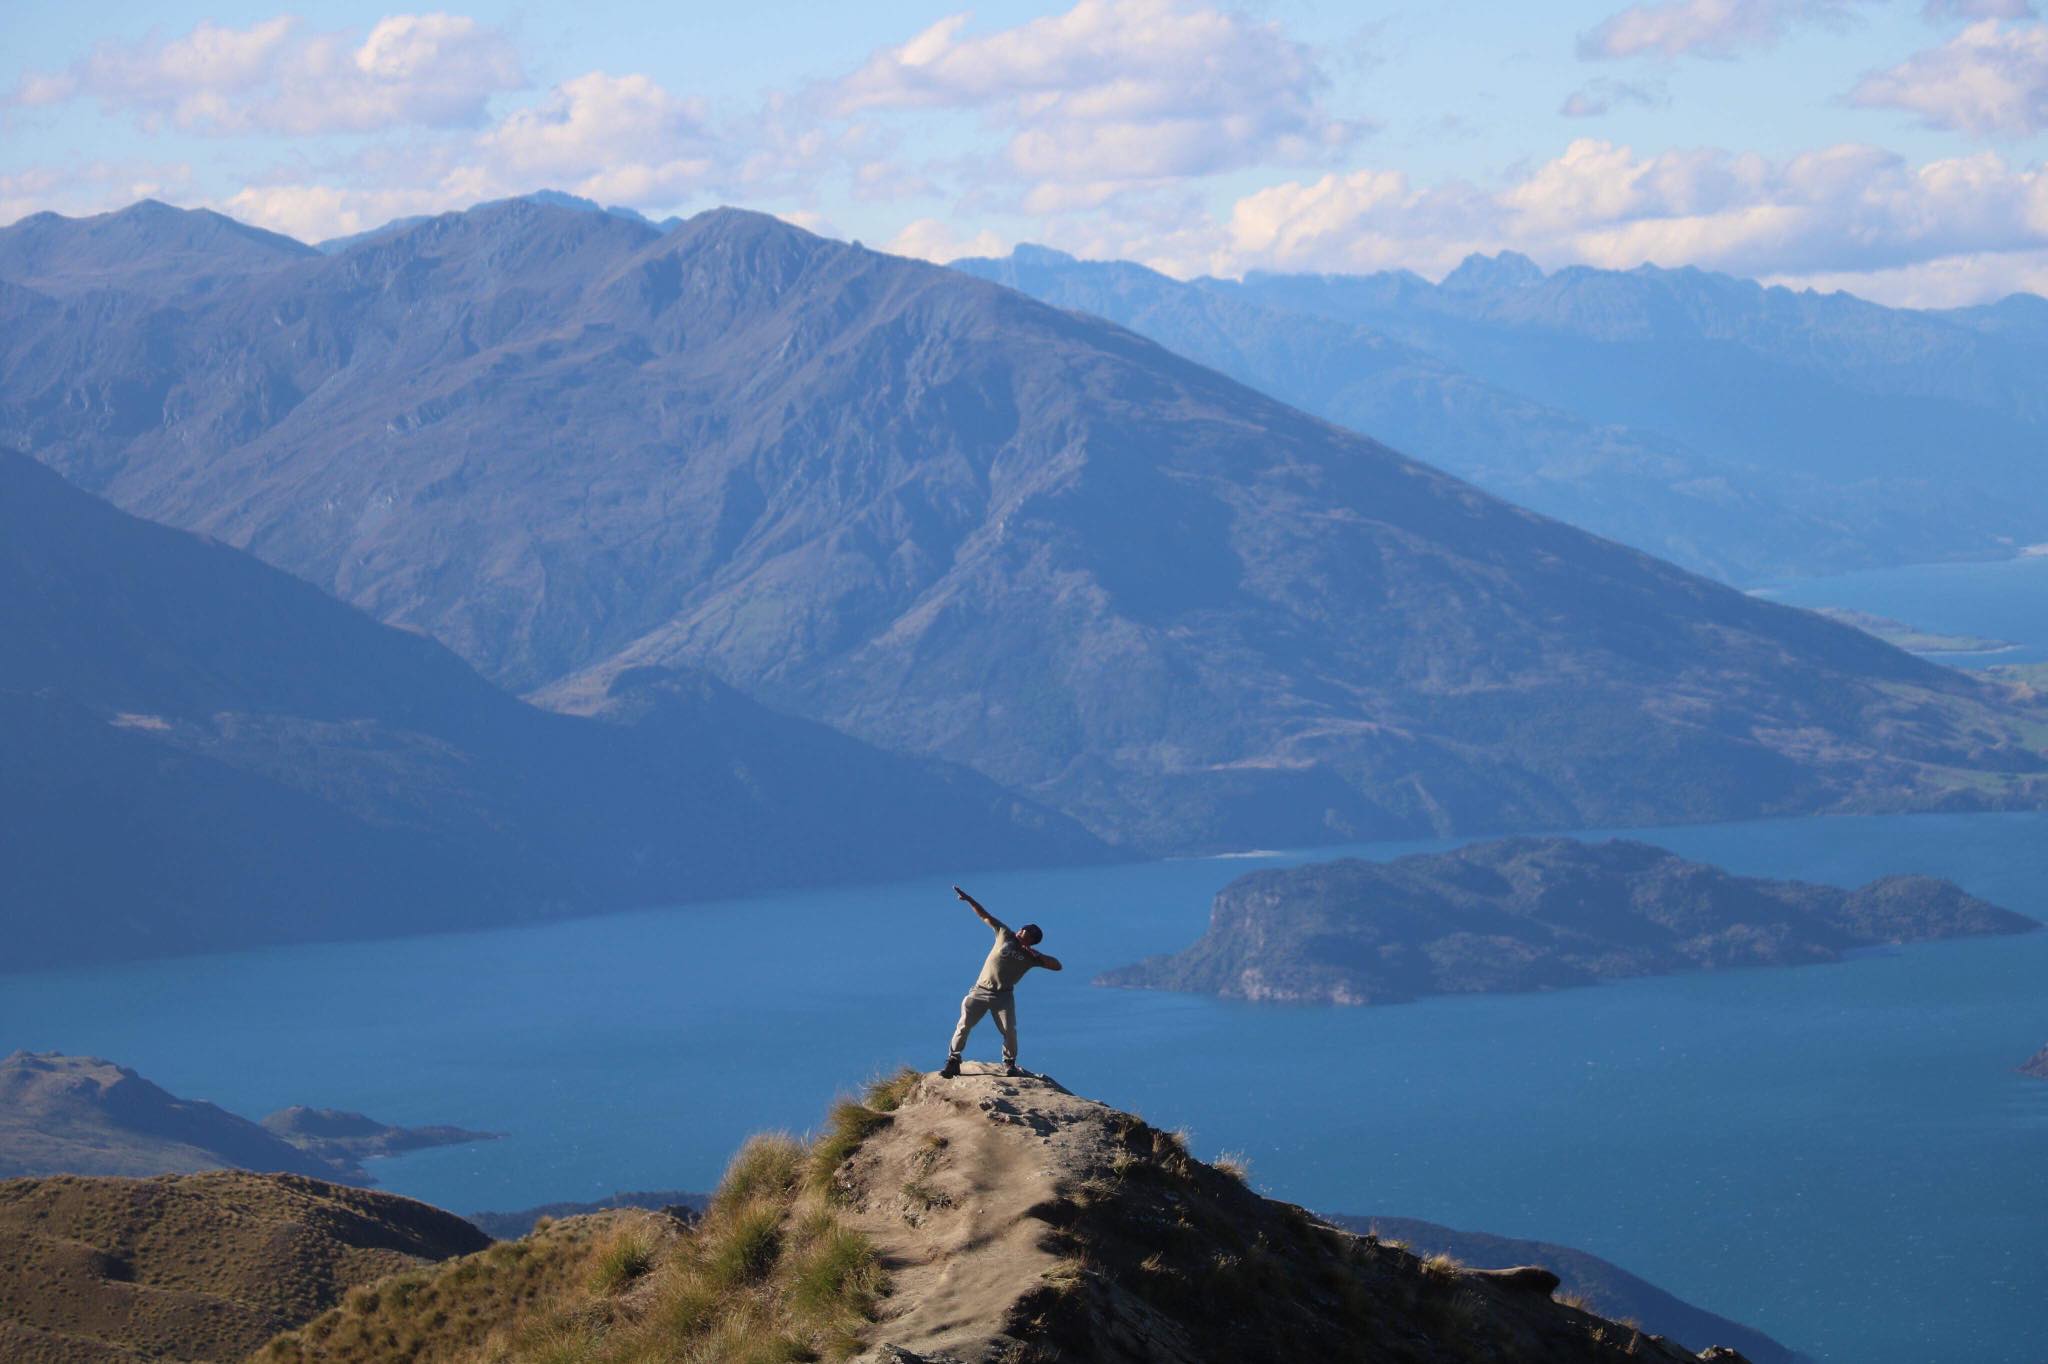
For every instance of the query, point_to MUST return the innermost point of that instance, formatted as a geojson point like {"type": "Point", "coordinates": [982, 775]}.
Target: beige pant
{"type": "Point", "coordinates": [1001, 1003]}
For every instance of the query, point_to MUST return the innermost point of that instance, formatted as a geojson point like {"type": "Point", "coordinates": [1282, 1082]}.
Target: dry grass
{"type": "Point", "coordinates": [625, 1258]}
{"type": "Point", "coordinates": [767, 1165]}
{"type": "Point", "coordinates": [924, 1196]}
{"type": "Point", "coordinates": [847, 1128]}
{"type": "Point", "coordinates": [1442, 1267]}
{"type": "Point", "coordinates": [887, 1095]}
{"type": "Point", "coordinates": [769, 1275]}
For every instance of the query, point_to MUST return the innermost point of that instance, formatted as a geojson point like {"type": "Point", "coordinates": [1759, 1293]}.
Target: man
{"type": "Point", "coordinates": [1013, 955]}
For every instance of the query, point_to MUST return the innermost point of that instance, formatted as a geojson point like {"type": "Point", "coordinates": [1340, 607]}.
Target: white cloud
{"type": "Point", "coordinates": [811, 222]}
{"type": "Point", "coordinates": [1989, 80]}
{"type": "Point", "coordinates": [275, 77]}
{"type": "Point", "coordinates": [1844, 212]}
{"type": "Point", "coordinates": [313, 213]}
{"type": "Point", "coordinates": [1597, 97]}
{"type": "Point", "coordinates": [1703, 28]}
{"type": "Point", "coordinates": [618, 139]}
{"type": "Point", "coordinates": [932, 240]}
{"type": "Point", "coordinates": [883, 180]}
{"type": "Point", "coordinates": [614, 139]}
{"type": "Point", "coordinates": [1115, 92]}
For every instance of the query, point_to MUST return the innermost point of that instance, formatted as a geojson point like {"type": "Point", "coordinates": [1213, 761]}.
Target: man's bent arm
{"type": "Point", "coordinates": [1049, 963]}
{"type": "Point", "coordinates": [991, 920]}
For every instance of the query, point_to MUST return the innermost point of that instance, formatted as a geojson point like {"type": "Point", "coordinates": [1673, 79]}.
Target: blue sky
{"type": "Point", "coordinates": [1894, 149]}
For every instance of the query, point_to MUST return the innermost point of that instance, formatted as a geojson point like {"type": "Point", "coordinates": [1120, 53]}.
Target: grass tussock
{"type": "Point", "coordinates": [770, 1275]}
{"type": "Point", "coordinates": [1442, 1267]}
{"type": "Point", "coordinates": [743, 1246]}
{"type": "Point", "coordinates": [889, 1094]}
{"type": "Point", "coordinates": [767, 1165]}
{"type": "Point", "coordinates": [623, 1260]}
{"type": "Point", "coordinates": [847, 1129]}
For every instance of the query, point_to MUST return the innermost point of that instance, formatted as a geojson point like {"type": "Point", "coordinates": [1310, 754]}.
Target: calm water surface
{"type": "Point", "coordinates": [1840, 1155]}
{"type": "Point", "coordinates": [2003, 599]}
{"type": "Point", "coordinates": [1843, 1156]}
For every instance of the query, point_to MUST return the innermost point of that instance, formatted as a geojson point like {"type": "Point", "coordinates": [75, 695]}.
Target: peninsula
{"type": "Point", "coordinates": [1534, 914]}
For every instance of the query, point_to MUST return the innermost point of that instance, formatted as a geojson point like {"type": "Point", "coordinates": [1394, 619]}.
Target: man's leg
{"type": "Point", "coordinates": [1004, 1007]}
{"type": "Point", "coordinates": [972, 1007]}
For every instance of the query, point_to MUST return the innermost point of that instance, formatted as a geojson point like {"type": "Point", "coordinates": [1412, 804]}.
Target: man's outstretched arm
{"type": "Point", "coordinates": [991, 920]}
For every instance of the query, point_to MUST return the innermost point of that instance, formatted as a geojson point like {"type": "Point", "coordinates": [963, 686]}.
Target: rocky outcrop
{"type": "Point", "coordinates": [1534, 914]}
{"type": "Point", "coordinates": [1030, 1222]}
{"type": "Point", "coordinates": [2038, 1066]}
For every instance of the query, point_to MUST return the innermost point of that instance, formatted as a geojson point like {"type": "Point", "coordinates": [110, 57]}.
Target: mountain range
{"type": "Point", "coordinates": [1745, 432]}
{"type": "Point", "coordinates": [936, 515]}
{"type": "Point", "coordinates": [201, 751]}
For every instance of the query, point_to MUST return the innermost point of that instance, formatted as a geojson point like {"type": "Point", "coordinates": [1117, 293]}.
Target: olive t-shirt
{"type": "Point", "coordinates": [1007, 962]}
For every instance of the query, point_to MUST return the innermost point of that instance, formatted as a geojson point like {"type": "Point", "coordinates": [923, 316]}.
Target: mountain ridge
{"type": "Point", "coordinates": [1432, 369]}
{"type": "Point", "coordinates": [898, 501]}
{"type": "Point", "coordinates": [247, 742]}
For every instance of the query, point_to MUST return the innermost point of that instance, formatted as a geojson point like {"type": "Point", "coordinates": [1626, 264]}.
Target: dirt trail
{"type": "Point", "coordinates": [948, 1198]}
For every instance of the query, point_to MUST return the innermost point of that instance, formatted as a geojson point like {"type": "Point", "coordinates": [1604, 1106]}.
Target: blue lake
{"type": "Point", "coordinates": [1841, 1155]}
{"type": "Point", "coordinates": [1999, 599]}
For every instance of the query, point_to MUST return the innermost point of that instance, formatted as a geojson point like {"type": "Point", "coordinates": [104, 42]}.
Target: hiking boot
{"type": "Point", "coordinates": [951, 1070]}
{"type": "Point", "coordinates": [1010, 1069]}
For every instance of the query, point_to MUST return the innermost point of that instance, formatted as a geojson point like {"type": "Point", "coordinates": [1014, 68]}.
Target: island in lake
{"type": "Point", "coordinates": [80, 1115]}
{"type": "Point", "coordinates": [2038, 1066]}
{"type": "Point", "coordinates": [1534, 914]}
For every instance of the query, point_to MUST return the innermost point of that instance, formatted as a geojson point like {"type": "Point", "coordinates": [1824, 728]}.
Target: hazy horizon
{"type": "Point", "coordinates": [1894, 151]}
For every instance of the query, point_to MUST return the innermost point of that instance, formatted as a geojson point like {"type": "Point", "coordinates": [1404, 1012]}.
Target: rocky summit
{"type": "Point", "coordinates": [1534, 914]}
{"type": "Point", "coordinates": [967, 1221]}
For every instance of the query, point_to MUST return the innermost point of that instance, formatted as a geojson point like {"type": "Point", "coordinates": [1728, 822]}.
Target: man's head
{"type": "Point", "coordinates": [1031, 935]}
